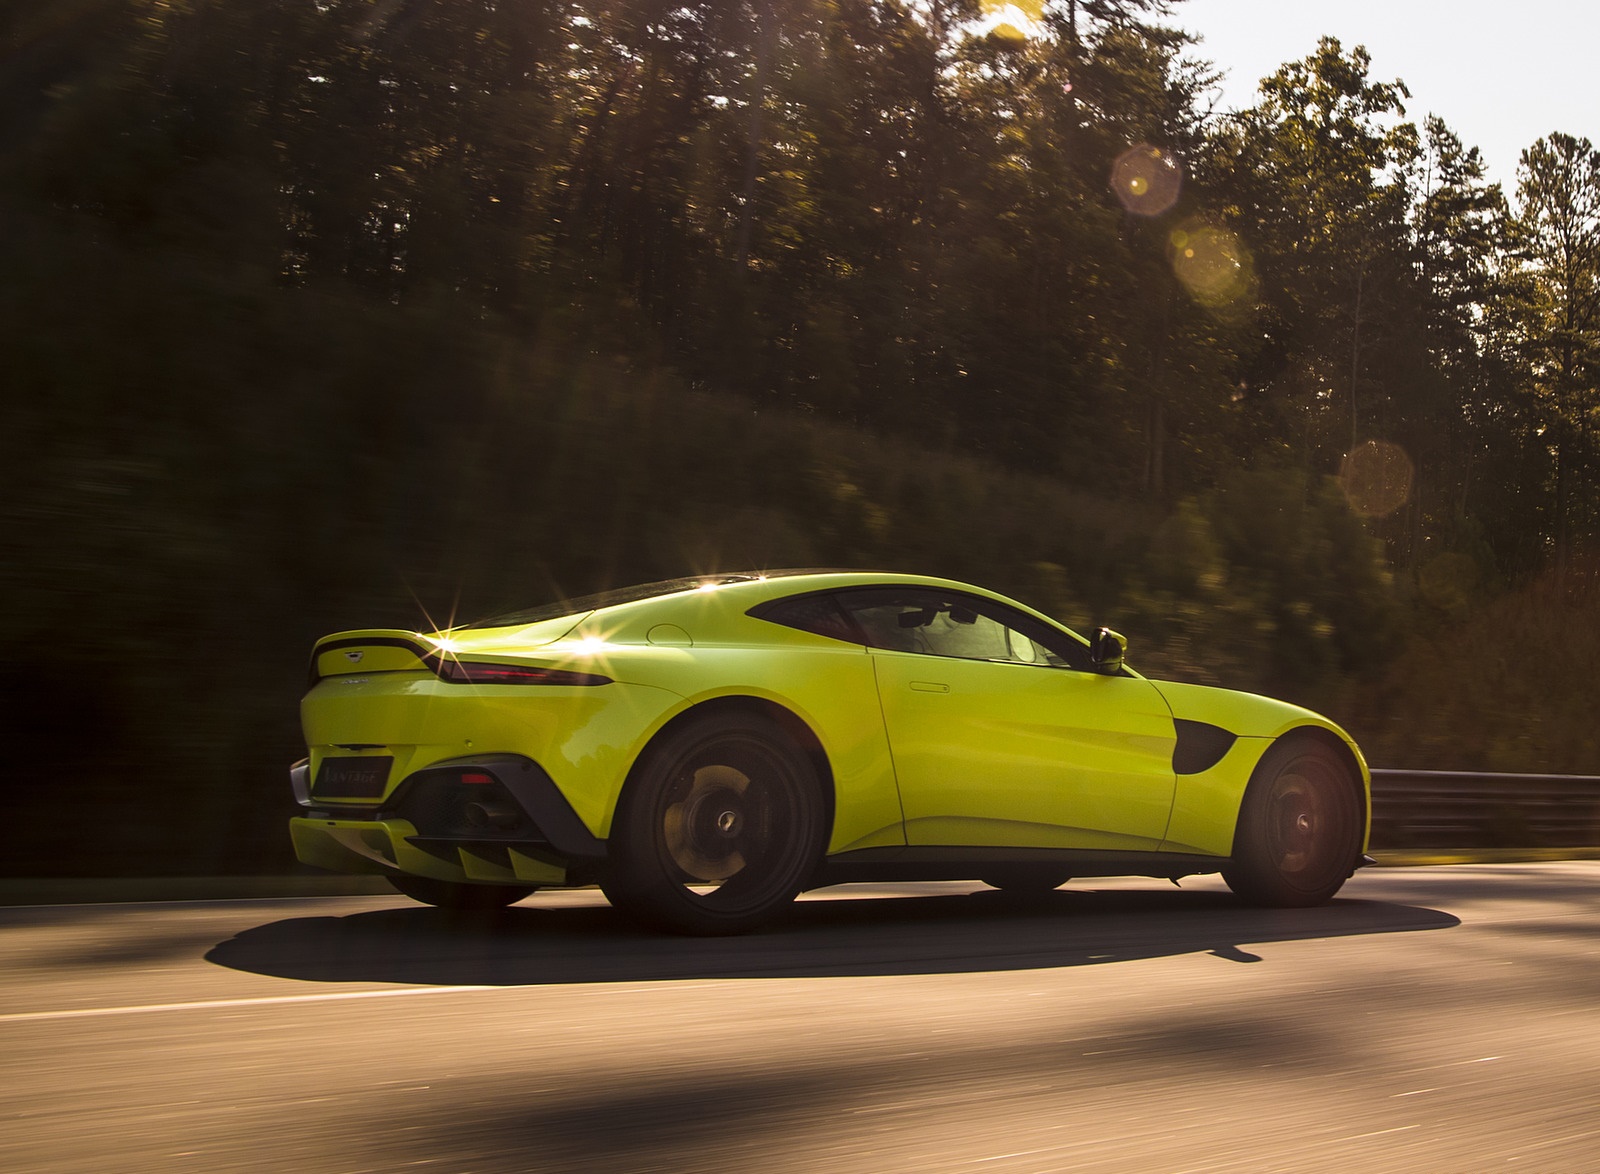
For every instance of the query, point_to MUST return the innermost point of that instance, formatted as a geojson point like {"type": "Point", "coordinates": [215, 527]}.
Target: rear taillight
{"type": "Point", "coordinates": [477, 673]}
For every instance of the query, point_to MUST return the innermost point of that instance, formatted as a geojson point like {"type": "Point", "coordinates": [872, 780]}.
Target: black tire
{"type": "Point", "coordinates": [1299, 832]}
{"type": "Point", "coordinates": [719, 826]}
{"type": "Point", "coordinates": [1024, 878]}
{"type": "Point", "coordinates": [457, 896]}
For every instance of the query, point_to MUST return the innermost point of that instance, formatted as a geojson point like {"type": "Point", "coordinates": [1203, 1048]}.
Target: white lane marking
{"type": "Point", "coordinates": [208, 1004]}
{"type": "Point", "coordinates": [1378, 1133]}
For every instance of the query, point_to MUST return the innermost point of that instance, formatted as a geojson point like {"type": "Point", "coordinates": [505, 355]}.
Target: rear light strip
{"type": "Point", "coordinates": [479, 673]}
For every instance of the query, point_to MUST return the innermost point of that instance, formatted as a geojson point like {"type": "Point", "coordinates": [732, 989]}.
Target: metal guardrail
{"type": "Point", "coordinates": [1470, 809]}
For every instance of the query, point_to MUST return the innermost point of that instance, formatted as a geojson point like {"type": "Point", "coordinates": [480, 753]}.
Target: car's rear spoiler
{"type": "Point", "coordinates": [372, 650]}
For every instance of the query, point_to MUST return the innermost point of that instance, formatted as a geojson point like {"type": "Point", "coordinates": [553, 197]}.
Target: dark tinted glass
{"type": "Point", "coordinates": [818, 613]}
{"type": "Point", "coordinates": [954, 624]}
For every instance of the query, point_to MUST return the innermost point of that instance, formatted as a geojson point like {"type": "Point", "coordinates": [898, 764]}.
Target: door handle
{"type": "Point", "coordinates": [929, 687]}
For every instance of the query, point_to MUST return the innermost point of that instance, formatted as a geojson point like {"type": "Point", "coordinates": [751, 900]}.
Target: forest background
{"type": "Point", "coordinates": [322, 314]}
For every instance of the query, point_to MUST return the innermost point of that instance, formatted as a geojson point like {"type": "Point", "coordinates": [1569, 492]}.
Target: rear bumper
{"type": "Point", "coordinates": [426, 827]}
{"type": "Point", "coordinates": [386, 846]}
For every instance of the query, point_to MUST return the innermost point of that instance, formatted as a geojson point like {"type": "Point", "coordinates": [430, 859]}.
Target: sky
{"type": "Point", "coordinates": [1501, 75]}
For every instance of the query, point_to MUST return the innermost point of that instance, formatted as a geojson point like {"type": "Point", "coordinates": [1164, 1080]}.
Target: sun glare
{"type": "Point", "coordinates": [431, 624]}
{"type": "Point", "coordinates": [1016, 20]}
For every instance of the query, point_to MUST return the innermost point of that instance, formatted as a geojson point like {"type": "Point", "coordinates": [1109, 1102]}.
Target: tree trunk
{"type": "Point", "coordinates": [752, 159]}
{"type": "Point", "coordinates": [1355, 352]}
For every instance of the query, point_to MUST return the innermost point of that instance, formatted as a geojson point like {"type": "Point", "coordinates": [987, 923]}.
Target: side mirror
{"type": "Point", "coordinates": [1107, 651]}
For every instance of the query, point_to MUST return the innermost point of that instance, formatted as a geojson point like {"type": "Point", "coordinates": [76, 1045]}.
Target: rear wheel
{"type": "Point", "coordinates": [457, 896]}
{"type": "Point", "coordinates": [1299, 833]}
{"type": "Point", "coordinates": [720, 825]}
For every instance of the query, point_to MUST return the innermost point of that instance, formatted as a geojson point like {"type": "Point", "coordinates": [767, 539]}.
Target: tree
{"type": "Point", "coordinates": [1315, 181]}
{"type": "Point", "coordinates": [1453, 404]}
{"type": "Point", "coordinates": [1074, 24]}
{"type": "Point", "coordinates": [1557, 234]}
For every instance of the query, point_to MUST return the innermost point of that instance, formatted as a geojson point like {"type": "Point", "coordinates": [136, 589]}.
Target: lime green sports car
{"type": "Point", "coordinates": [704, 749]}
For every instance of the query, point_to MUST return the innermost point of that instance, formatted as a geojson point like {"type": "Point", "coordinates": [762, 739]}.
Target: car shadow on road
{"type": "Point", "coordinates": [945, 933]}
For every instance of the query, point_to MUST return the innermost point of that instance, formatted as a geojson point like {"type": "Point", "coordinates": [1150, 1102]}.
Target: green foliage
{"type": "Point", "coordinates": [1267, 582]}
{"type": "Point", "coordinates": [1508, 688]}
{"type": "Point", "coordinates": [1556, 317]}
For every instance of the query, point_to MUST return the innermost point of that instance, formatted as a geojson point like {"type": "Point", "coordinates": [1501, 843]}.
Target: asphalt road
{"type": "Point", "coordinates": [1431, 1020]}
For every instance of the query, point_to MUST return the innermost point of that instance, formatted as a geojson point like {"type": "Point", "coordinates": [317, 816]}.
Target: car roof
{"type": "Point", "coordinates": [741, 589]}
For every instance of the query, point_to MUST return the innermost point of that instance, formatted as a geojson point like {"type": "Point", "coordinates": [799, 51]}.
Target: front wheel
{"type": "Point", "coordinates": [1299, 832]}
{"type": "Point", "coordinates": [457, 896]}
{"type": "Point", "coordinates": [719, 827]}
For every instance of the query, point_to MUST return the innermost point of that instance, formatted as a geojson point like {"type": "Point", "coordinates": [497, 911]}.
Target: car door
{"type": "Point", "coordinates": [1002, 737]}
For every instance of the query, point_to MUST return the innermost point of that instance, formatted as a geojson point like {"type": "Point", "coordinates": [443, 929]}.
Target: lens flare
{"type": "Point", "coordinates": [1213, 265]}
{"type": "Point", "coordinates": [1147, 180]}
{"type": "Point", "coordinates": [1376, 478]}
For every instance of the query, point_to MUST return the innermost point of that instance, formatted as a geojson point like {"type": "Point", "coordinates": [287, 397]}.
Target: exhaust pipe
{"type": "Point", "coordinates": [486, 813]}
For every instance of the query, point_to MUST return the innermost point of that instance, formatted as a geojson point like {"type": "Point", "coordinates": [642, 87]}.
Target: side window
{"type": "Point", "coordinates": [818, 613]}
{"type": "Point", "coordinates": [953, 624]}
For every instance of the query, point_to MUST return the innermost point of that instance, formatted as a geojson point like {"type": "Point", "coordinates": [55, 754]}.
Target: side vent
{"type": "Point", "coordinates": [1200, 746]}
